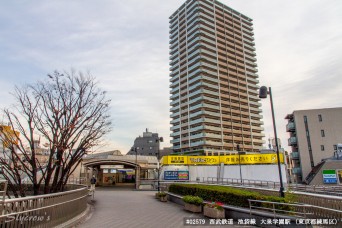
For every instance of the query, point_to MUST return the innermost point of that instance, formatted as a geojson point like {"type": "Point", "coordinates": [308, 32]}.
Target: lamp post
{"type": "Point", "coordinates": [135, 149]}
{"type": "Point", "coordinates": [238, 150]}
{"type": "Point", "coordinates": [263, 94]}
{"type": "Point", "coordinates": [158, 140]}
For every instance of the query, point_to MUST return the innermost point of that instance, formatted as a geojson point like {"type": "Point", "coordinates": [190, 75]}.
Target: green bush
{"type": "Point", "coordinates": [193, 200]}
{"type": "Point", "coordinates": [226, 195]}
{"type": "Point", "coordinates": [162, 194]}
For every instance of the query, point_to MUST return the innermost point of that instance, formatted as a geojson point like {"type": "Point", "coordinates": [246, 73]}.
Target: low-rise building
{"type": "Point", "coordinates": [314, 135]}
{"type": "Point", "coordinates": [147, 145]}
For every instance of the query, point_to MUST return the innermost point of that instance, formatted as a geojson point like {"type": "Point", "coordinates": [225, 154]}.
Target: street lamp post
{"type": "Point", "coordinates": [159, 140]}
{"type": "Point", "coordinates": [135, 149]}
{"type": "Point", "coordinates": [263, 94]}
{"type": "Point", "coordinates": [238, 150]}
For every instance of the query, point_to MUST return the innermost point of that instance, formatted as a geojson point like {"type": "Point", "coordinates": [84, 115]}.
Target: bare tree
{"type": "Point", "coordinates": [70, 112]}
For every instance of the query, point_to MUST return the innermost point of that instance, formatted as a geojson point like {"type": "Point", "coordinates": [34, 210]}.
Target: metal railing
{"type": "Point", "coordinates": [163, 183]}
{"type": "Point", "coordinates": [243, 182]}
{"type": "Point", "coordinates": [321, 189]}
{"type": "Point", "coordinates": [295, 210]}
{"type": "Point", "coordinates": [78, 180]}
{"type": "Point", "coordinates": [288, 209]}
{"type": "Point", "coordinates": [47, 210]}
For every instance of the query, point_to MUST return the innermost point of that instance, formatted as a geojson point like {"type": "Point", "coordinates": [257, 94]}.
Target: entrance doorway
{"type": "Point", "coordinates": [112, 176]}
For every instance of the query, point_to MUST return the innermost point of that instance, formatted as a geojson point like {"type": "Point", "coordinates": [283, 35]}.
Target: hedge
{"type": "Point", "coordinates": [227, 195]}
{"type": "Point", "coordinates": [196, 200]}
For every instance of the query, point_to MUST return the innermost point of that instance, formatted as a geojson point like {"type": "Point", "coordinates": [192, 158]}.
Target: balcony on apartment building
{"type": "Point", "coordinates": [297, 170]}
{"type": "Point", "coordinates": [294, 155]}
{"type": "Point", "coordinates": [292, 141]}
{"type": "Point", "coordinates": [290, 127]}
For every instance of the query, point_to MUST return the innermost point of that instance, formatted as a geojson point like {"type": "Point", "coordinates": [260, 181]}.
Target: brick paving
{"type": "Point", "coordinates": [122, 207]}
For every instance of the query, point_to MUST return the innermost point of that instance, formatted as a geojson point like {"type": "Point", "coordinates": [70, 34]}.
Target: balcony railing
{"type": "Point", "coordinates": [297, 170]}
{"type": "Point", "coordinates": [294, 155]}
{"type": "Point", "coordinates": [290, 127]}
{"type": "Point", "coordinates": [292, 141]}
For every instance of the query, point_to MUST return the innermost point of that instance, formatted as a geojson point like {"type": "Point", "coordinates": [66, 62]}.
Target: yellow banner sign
{"type": "Point", "coordinates": [175, 160]}
{"type": "Point", "coordinates": [203, 160]}
{"type": "Point", "coordinates": [245, 159]}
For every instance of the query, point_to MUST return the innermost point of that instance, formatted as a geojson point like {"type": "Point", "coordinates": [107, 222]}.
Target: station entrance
{"type": "Point", "coordinates": [110, 175]}
{"type": "Point", "coordinates": [123, 171]}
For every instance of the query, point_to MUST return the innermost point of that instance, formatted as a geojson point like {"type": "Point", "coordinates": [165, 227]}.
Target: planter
{"type": "Point", "coordinates": [193, 208]}
{"type": "Point", "coordinates": [213, 213]}
{"type": "Point", "coordinates": [157, 195]}
{"type": "Point", "coordinates": [163, 198]}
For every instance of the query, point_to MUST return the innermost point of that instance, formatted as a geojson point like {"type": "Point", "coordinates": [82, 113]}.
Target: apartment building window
{"type": "Point", "coordinates": [322, 147]}
{"type": "Point", "coordinates": [335, 147]}
{"type": "Point", "coordinates": [320, 118]}
{"type": "Point", "coordinates": [322, 133]}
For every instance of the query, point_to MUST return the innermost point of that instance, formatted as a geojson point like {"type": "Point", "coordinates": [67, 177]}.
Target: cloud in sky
{"type": "Point", "coordinates": [124, 44]}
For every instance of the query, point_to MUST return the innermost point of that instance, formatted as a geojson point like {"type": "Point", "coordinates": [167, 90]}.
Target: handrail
{"type": "Point", "coordinates": [276, 210]}
{"type": "Point", "coordinates": [47, 210]}
{"type": "Point", "coordinates": [46, 195]}
{"type": "Point", "coordinates": [326, 190]}
{"type": "Point", "coordinates": [271, 184]}
{"type": "Point", "coordinates": [306, 208]}
{"type": "Point", "coordinates": [40, 208]}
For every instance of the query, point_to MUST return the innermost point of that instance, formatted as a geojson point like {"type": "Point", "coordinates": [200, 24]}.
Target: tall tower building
{"type": "Point", "coordinates": [214, 81]}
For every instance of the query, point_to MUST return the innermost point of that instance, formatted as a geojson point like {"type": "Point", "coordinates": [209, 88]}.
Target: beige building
{"type": "Point", "coordinates": [314, 135]}
{"type": "Point", "coordinates": [214, 81]}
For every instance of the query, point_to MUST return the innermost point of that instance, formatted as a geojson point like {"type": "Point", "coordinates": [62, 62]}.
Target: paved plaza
{"type": "Point", "coordinates": [122, 207]}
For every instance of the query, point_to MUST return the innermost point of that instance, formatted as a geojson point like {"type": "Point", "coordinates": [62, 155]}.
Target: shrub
{"type": "Point", "coordinates": [162, 194]}
{"type": "Point", "coordinates": [193, 200]}
{"type": "Point", "coordinates": [226, 195]}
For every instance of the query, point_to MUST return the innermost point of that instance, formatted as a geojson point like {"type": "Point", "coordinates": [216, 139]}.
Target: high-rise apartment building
{"type": "Point", "coordinates": [214, 98]}
{"type": "Point", "coordinates": [314, 135]}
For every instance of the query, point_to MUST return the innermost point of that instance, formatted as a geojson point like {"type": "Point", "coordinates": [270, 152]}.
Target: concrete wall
{"type": "Point", "coordinates": [250, 172]}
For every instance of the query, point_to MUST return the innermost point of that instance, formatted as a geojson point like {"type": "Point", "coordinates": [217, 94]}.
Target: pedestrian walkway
{"type": "Point", "coordinates": [119, 207]}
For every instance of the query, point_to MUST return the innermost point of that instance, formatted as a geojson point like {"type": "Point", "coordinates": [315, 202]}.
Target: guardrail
{"type": "Point", "coordinates": [78, 180]}
{"type": "Point", "coordinates": [47, 210]}
{"type": "Point", "coordinates": [289, 209]}
{"type": "Point", "coordinates": [295, 210]}
{"type": "Point", "coordinates": [244, 182]}
{"type": "Point", "coordinates": [322, 189]}
{"type": "Point", "coordinates": [153, 183]}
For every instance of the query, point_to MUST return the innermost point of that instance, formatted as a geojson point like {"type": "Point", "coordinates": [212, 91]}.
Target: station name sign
{"type": "Point", "coordinates": [245, 159]}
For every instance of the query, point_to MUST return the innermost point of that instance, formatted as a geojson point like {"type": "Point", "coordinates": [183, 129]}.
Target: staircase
{"type": "Point", "coordinates": [313, 172]}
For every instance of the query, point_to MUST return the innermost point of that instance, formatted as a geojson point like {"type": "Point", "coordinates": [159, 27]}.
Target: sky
{"type": "Point", "coordinates": [125, 45]}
